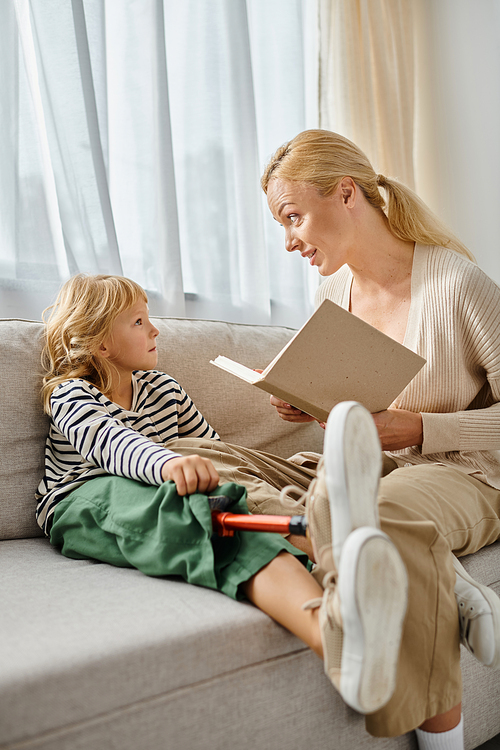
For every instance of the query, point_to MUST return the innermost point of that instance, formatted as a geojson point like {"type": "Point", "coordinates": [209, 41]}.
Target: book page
{"type": "Point", "coordinates": [235, 368]}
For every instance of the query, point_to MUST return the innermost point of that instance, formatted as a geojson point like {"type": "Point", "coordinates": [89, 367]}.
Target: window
{"type": "Point", "coordinates": [135, 138]}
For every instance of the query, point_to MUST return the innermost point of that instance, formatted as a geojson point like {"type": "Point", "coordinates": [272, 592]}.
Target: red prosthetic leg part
{"type": "Point", "coordinates": [225, 523]}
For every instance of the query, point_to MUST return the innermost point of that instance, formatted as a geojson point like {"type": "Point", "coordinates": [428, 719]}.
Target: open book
{"type": "Point", "coordinates": [334, 357]}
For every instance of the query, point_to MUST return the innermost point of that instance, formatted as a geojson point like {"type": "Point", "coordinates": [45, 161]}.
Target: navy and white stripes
{"type": "Point", "coordinates": [90, 435]}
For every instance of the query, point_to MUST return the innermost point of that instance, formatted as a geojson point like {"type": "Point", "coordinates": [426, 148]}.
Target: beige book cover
{"type": "Point", "coordinates": [334, 357]}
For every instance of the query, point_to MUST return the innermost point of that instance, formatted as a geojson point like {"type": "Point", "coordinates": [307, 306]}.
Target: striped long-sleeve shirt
{"type": "Point", "coordinates": [454, 323]}
{"type": "Point", "coordinates": [91, 436]}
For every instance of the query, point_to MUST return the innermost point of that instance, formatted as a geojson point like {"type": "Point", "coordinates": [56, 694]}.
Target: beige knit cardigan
{"type": "Point", "coordinates": [454, 323]}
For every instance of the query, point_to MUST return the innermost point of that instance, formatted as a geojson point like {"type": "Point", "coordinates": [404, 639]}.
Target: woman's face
{"type": "Point", "coordinates": [319, 228]}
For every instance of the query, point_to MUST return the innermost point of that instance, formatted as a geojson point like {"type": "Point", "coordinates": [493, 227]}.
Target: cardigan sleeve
{"type": "Point", "coordinates": [477, 427]}
{"type": "Point", "coordinates": [469, 430]}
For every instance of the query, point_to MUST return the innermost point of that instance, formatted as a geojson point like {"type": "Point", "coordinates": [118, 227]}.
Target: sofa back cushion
{"type": "Point", "coordinates": [23, 427]}
{"type": "Point", "coordinates": [240, 413]}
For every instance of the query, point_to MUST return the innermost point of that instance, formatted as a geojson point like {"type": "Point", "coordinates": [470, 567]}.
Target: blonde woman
{"type": "Point", "coordinates": [388, 260]}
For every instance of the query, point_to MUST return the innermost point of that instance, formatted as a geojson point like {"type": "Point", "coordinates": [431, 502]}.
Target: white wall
{"type": "Point", "coordinates": [458, 148]}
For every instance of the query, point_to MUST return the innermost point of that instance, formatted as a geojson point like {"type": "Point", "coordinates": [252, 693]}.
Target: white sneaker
{"type": "Point", "coordinates": [364, 604]}
{"type": "Point", "coordinates": [479, 614]}
{"type": "Point", "coordinates": [361, 620]}
{"type": "Point", "coordinates": [345, 487]}
{"type": "Point", "coordinates": [353, 464]}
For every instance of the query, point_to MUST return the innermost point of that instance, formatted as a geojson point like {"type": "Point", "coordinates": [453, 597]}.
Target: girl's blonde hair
{"type": "Point", "coordinates": [77, 324]}
{"type": "Point", "coordinates": [322, 158]}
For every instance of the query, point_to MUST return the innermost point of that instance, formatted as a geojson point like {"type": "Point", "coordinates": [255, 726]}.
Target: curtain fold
{"type": "Point", "coordinates": [367, 83]}
{"type": "Point", "coordinates": [135, 137]}
{"type": "Point", "coordinates": [217, 161]}
{"type": "Point", "coordinates": [142, 179]}
{"type": "Point", "coordinates": [70, 116]}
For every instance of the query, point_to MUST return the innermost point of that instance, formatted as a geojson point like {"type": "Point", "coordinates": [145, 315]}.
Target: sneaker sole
{"type": "Point", "coordinates": [373, 593]}
{"type": "Point", "coordinates": [494, 603]}
{"type": "Point", "coordinates": [353, 464]}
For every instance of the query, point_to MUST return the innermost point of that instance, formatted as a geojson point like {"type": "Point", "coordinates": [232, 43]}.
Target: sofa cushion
{"type": "Point", "coordinates": [240, 413]}
{"type": "Point", "coordinates": [23, 427]}
{"type": "Point", "coordinates": [81, 638]}
{"type": "Point", "coordinates": [89, 651]}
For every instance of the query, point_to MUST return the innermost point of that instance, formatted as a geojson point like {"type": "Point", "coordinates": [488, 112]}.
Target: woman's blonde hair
{"type": "Point", "coordinates": [76, 326]}
{"type": "Point", "coordinates": [322, 158]}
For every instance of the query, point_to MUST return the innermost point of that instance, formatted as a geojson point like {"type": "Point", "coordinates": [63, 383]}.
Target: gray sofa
{"type": "Point", "coordinates": [94, 657]}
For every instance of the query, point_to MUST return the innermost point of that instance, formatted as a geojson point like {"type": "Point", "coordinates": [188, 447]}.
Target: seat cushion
{"type": "Point", "coordinates": [94, 656]}
{"type": "Point", "coordinates": [81, 638]}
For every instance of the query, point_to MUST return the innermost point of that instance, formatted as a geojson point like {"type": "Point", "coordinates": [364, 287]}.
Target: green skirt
{"type": "Point", "coordinates": [130, 524]}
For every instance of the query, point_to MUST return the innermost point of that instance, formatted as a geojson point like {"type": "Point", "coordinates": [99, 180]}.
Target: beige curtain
{"type": "Point", "coordinates": [367, 80]}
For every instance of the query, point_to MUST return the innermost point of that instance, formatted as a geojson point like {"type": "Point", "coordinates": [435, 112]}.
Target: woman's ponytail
{"type": "Point", "coordinates": [410, 219]}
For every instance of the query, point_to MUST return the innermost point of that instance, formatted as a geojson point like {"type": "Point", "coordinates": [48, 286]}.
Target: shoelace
{"type": "Point", "coordinates": [286, 499]}
{"type": "Point", "coordinates": [329, 580]}
{"type": "Point", "coordinates": [465, 615]}
{"type": "Point", "coordinates": [290, 503]}
{"type": "Point", "coordinates": [313, 603]}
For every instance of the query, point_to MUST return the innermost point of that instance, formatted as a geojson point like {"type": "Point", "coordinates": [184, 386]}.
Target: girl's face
{"type": "Point", "coordinates": [132, 343]}
{"type": "Point", "coordinates": [319, 228]}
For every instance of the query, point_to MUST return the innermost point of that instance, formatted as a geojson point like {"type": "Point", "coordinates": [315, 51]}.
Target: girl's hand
{"type": "Point", "coordinates": [398, 429]}
{"type": "Point", "coordinates": [191, 474]}
{"type": "Point", "coordinates": [289, 413]}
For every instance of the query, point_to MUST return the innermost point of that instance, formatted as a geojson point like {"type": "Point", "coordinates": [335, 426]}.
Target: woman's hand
{"type": "Point", "coordinates": [398, 429]}
{"type": "Point", "coordinates": [286, 411]}
{"type": "Point", "coordinates": [191, 474]}
{"type": "Point", "coordinates": [289, 413]}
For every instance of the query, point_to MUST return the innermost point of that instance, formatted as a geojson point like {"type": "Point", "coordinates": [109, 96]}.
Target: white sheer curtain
{"type": "Point", "coordinates": [134, 135]}
{"type": "Point", "coordinates": [368, 79]}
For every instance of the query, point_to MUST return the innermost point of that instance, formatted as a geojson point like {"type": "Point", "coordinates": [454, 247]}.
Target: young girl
{"type": "Point", "coordinates": [115, 490]}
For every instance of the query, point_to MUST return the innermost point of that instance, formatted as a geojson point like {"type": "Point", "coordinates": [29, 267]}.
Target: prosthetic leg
{"type": "Point", "coordinates": [225, 523]}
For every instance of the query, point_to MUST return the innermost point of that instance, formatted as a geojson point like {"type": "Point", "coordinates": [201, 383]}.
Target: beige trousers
{"type": "Point", "coordinates": [263, 474]}
{"type": "Point", "coordinates": [429, 511]}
